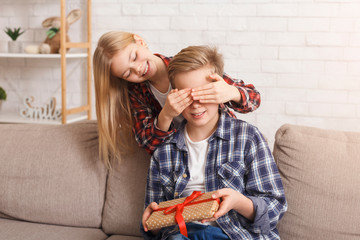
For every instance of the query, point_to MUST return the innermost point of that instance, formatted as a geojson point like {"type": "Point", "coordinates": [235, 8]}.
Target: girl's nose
{"type": "Point", "coordinates": [139, 67]}
{"type": "Point", "coordinates": [136, 67]}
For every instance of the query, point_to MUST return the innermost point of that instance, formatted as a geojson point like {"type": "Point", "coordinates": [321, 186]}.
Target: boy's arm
{"type": "Point", "coordinates": [153, 195]}
{"type": "Point", "coordinates": [263, 187]}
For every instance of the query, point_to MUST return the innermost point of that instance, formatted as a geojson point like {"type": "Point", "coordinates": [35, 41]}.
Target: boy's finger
{"type": "Point", "coordinates": [221, 212]}
{"type": "Point", "coordinates": [208, 220]}
{"type": "Point", "coordinates": [144, 218]}
{"type": "Point", "coordinates": [154, 206]}
{"type": "Point", "coordinates": [220, 193]}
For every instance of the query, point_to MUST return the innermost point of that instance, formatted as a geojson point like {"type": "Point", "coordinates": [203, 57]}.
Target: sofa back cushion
{"type": "Point", "coordinates": [125, 194]}
{"type": "Point", "coordinates": [320, 170]}
{"type": "Point", "coordinates": [52, 174]}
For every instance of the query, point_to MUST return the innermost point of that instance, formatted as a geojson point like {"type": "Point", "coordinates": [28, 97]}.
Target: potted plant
{"type": "Point", "coordinates": [2, 96]}
{"type": "Point", "coordinates": [14, 46]}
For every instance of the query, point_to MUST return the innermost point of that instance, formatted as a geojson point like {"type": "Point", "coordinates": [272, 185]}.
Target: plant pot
{"type": "Point", "coordinates": [1, 101]}
{"type": "Point", "coordinates": [14, 47]}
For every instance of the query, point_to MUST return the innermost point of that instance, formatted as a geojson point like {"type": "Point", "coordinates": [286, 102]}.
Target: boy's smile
{"type": "Point", "coordinates": [198, 115]}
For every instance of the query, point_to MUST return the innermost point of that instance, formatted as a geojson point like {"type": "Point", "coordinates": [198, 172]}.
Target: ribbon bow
{"type": "Point", "coordinates": [179, 208]}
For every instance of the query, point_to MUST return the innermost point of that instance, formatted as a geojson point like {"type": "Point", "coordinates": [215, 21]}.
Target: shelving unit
{"type": "Point", "coordinates": [46, 56]}
{"type": "Point", "coordinates": [71, 114]}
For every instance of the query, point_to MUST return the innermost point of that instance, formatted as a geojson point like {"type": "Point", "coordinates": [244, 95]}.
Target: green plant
{"type": "Point", "coordinates": [13, 33]}
{"type": "Point", "coordinates": [2, 94]}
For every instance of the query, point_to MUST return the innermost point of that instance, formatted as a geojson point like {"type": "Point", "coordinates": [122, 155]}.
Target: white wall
{"type": "Point", "coordinates": [303, 56]}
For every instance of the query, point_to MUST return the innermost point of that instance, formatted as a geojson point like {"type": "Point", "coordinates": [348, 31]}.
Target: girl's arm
{"type": "Point", "coordinates": [145, 111]}
{"type": "Point", "coordinates": [246, 99]}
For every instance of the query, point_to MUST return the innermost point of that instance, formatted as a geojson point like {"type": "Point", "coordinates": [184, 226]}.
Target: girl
{"type": "Point", "coordinates": [133, 93]}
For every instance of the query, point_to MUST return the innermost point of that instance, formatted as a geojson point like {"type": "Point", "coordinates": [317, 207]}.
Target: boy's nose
{"type": "Point", "coordinates": [196, 104]}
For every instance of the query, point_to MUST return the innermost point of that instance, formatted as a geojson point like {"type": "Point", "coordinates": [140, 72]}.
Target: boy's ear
{"type": "Point", "coordinates": [139, 40]}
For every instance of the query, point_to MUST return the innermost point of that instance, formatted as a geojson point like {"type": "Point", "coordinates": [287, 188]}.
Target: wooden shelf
{"type": "Point", "coordinates": [14, 117]}
{"type": "Point", "coordinates": [67, 115]}
{"type": "Point", "coordinates": [56, 56]}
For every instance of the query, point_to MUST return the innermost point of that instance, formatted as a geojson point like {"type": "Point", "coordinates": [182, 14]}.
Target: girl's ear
{"type": "Point", "coordinates": [139, 40]}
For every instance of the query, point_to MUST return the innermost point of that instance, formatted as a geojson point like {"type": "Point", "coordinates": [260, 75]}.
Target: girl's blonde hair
{"type": "Point", "coordinates": [193, 58]}
{"type": "Point", "coordinates": [113, 109]}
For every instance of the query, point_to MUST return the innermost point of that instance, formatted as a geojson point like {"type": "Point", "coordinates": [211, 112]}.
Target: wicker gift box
{"type": "Point", "coordinates": [201, 207]}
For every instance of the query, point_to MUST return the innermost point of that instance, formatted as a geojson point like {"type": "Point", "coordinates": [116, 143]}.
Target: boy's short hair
{"type": "Point", "coordinates": [193, 58]}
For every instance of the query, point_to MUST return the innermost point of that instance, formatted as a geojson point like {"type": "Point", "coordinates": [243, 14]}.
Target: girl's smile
{"type": "Point", "coordinates": [135, 63]}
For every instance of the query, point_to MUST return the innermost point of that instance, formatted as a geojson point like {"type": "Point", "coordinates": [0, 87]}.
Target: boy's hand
{"type": "Point", "coordinates": [152, 207]}
{"type": "Point", "coordinates": [216, 92]}
{"type": "Point", "coordinates": [231, 199]}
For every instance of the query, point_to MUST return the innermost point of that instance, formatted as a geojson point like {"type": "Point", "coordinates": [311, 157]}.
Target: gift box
{"type": "Point", "coordinates": [197, 206]}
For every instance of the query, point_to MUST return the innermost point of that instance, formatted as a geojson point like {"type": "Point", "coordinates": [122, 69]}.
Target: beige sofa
{"type": "Point", "coordinates": [53, 186]}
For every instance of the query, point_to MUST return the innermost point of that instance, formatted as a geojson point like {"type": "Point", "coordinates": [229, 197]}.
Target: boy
{"type": "Point", "coordinates": [212, 151]}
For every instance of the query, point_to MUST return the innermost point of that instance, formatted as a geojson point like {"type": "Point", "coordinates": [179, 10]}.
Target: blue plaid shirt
{"type": "Point", "coordinates": [238, 158]}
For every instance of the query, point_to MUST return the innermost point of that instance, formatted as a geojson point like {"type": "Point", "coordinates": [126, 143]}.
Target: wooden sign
{"type": "Point", "coordinates": [47, 112]}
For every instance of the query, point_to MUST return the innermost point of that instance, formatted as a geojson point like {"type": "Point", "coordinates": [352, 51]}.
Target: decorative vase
{"type": "Point", "coordinates": [1, 101]}
{"type": "Point", "coordinates": [14, 47]}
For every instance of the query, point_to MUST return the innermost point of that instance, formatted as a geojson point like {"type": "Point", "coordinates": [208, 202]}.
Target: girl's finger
{"type": "Point", "coordinates": [187, 102]}
{"type": "Point", "coordinates": [207, 101]}
{"type": "Point", "coordinates": [216, 77]}
{"type": "Point", "coordinates": [185, 91]}
{"type": "Point", "coordinates": [203, 87]}
{"type": "Point", "coordinates": [182, 97]}
{"type": "Point", "coordinates": [203, 92]}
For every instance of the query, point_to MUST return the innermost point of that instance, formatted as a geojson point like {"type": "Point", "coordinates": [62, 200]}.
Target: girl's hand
{"type": "Point", "coordinates": [216, 92]}
{"type": "Point", "coordinates": [176, 102]}
{"type": "Point", "coordinates": [152, 207]}
{"type": "Point", "coordinates": [231, 199]}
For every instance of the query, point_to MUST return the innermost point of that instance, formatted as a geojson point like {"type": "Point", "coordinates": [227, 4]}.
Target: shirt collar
{"type": "Point", "coordinates": [222, 131]}
{"type": "Point", "coordinates": [165, 59]}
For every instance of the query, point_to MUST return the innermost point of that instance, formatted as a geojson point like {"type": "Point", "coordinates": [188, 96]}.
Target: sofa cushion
{"type": "Point", "coordinates": [52, 174]}
{"type": "Point", "coordinates": [125, 194]}
{"type": "Point", "coordinates": [320, 170]}
{"type": "Point", "coordinates": [18, 230]}
{"type": "Point", "coordinates": [123, 237]}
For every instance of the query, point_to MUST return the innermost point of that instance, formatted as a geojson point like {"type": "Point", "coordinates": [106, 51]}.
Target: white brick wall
{"type": "Point", "coordinates": [303, 56]}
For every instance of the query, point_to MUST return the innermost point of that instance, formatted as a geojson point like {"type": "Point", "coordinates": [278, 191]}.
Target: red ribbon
{"type": "Point", "coordinates": [179, 208]}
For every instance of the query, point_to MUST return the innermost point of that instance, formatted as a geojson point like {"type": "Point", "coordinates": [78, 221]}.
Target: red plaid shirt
{"type": "Point", "coordinates": [146, 109]}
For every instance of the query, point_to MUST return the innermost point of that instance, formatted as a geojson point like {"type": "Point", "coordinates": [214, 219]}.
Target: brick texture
{"type": "Point", "coordinates": [303, 56]}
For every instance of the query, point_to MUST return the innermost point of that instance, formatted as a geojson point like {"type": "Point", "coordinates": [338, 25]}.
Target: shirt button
{"type": "Point", "coordinates": [184, 175]}
{"type": "Point", "coordinates": [176, 193]}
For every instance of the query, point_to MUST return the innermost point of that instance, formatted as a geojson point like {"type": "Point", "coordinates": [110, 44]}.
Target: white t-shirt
{"type": "Point", "coordinates": [197, 153]}
{"type": "Point", "coordinates": [161, 97]}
